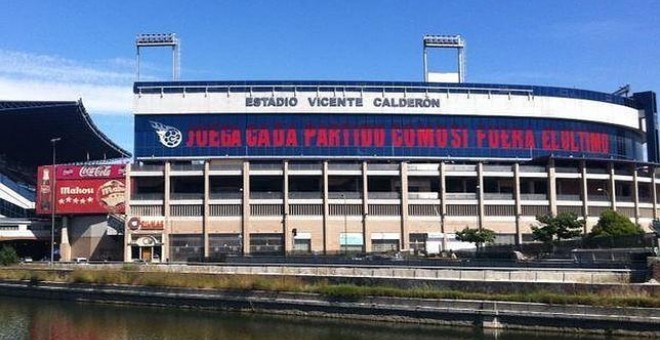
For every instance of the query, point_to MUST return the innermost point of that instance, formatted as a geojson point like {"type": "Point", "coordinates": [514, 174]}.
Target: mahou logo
{"type": "Point", "coordinates": [111, 195]}
{"type": "Point", "coordinates": [95, 171]}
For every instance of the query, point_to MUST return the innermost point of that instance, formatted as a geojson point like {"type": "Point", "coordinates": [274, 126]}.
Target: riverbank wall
{"type": "Point", "coordinates": [487, 314]}
{"type": "Point", "coordinates": [482, 280]}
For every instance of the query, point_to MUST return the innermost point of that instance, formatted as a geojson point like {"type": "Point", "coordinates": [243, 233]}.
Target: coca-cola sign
{"type": "Point", "coordinates": [86, 189]}
{"type": "Point", "coordinates": [95, 171]}
{"type": "Point", "coordinates": [110, 171]}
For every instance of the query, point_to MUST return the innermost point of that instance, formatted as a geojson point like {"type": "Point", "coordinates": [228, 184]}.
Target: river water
{"type": "Point", "coordinates": [46, 319]}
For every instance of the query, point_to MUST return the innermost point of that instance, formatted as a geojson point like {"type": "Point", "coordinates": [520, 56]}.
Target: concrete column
{"type": "Point", "coordinates": [65, 246]}
{"type": "Point", "coordinates": [127, 211]}
{"type": "Point", "coordinates": [654, 193]}
{"type": "Point", "coordinates": [166, 213]}
{"type": "Point", "coordinates": [366, 247]}
{"type": "Point", "coordinates": [585, 198]}
{"type": "Point", "coordinates": [206, 207]}
{"type": "Point", "coordinates": [636, 193]}
{"type": "Point", "coordinates": [612, 187]}
{"type": "Point", "coordinates": [518, 207]}
{"type": "Point", "coordinates": [552, 187]}
{"type": "Point", "coordinates": [404, 206]}
{"type": "Point", "coordinates": [287, 230]}
{"type": "Point", "coordinates": [480, 193]}
{"type": "Point", "coordinates": [326, 208]}
{"type": "Point", "coordinates": [443, 203]}
{"type": "Point", "coordinates": [245, 232]}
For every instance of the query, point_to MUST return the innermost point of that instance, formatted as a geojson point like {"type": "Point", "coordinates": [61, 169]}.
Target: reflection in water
{"type": "Point", "coordinates": [40, 319]}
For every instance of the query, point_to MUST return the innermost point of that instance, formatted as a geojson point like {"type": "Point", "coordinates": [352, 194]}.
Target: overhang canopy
{"type": "Point", "coordinates": [27, 129]}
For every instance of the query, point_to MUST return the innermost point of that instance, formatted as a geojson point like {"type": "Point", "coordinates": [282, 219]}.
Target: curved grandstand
{"type": "Point", "coordinates": [323, 167]}
{"type": "Point", "coordinates": [25, 143]}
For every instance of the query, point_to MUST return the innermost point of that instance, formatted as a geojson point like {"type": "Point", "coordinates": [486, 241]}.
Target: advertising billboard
{"type": "Point", "coordinates": [377, 135]}
{"type": "Point", "coordinates": [86, 189]}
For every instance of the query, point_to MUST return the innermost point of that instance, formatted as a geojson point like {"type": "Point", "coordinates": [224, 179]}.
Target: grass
{"type": "Point", "coordinates": [130, 275]}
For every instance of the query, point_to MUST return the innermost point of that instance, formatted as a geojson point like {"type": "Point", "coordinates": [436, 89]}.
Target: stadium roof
{"type": "Point", "coordinates": [27, 127]}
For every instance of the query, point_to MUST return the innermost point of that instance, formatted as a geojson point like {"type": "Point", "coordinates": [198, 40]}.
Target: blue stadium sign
{"type": "Point", "coordinates": [375, 135]}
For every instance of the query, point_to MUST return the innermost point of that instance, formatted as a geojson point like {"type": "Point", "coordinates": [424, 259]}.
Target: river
{"type": "Point", "coordinates": [48, 319]}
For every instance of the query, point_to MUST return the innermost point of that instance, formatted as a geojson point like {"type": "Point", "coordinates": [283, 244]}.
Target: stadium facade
{"type": "Point", "coordinates": [227, 168]}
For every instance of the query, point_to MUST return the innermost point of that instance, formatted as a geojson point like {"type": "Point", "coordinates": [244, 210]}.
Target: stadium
{"type": "Point", "coordinates": [306, 167]}
{"type": "Point", "coordinates": [226, 168]}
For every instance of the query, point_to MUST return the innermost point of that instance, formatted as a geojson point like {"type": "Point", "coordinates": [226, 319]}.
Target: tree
{"type": "Point", "coordinates": [553, 229]}
{"type": "Point", "coordinates": [476, 236]}
{"type": "Point", "coordinates": [613, 224]}
{"type": "Point", "coordinates": [8, 256]}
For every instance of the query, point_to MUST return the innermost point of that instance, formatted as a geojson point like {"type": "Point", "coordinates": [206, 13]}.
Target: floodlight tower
{"type": "Point", "coordinates": [159, 40]}
{"type": "Point", "coordinates": [446, 41]}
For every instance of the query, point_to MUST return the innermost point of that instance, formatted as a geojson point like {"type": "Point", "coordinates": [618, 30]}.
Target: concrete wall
{"type": "Point", "coordinates": [89, 237]}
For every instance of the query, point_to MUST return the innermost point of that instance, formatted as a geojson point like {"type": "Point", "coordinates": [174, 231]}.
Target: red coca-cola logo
{"type": "Point", "coordinates": [95, 171]}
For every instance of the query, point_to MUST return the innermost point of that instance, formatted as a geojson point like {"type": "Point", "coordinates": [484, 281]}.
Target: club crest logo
{"type": "Point", "coordinates": [169, 136]}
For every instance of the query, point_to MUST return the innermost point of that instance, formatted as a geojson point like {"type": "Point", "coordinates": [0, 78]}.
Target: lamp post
{"type": "Point", "coordinates": [54, 205]}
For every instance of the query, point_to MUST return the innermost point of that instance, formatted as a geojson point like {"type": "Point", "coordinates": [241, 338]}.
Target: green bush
{"type": "Point", "coordinates": [613, 224]}
{"type": "Point", "coordinates": [8, 256]}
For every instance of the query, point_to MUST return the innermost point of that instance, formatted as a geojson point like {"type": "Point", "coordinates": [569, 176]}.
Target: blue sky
{"type": "Point", "coordinates": [65, 50]}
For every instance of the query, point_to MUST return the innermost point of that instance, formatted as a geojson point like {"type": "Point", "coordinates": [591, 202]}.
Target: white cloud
{"type": "Point", "coordinates": [96, 98]}
{"type": "Point", "coordinates": [104, 86]}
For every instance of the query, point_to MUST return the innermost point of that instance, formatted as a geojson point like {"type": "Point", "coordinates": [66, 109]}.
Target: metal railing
{"type": "Point", "coordinates": [187, 167]}
{"type": "Point", "coordinates": [461, 167]}
{"type": "Point", "coordinates": [225, 195]}
{"type": "Point", "coordinates": [569, 170]}
{"type": "Point", "coordinates": [597, 171]}
{"type": "Point", "coordinates": [305, 166]}
{"type": "Point", "coordinates": [598, 198]}
{"type": "Point", "coordinates": [347, 195]}
{"type": "Point", "coordinates": [344, 166]}
{"type": "Point", "coordinates": [498, 168]}
{"type": "Point", "coordinates": [461, 195]}
{"type": "Point", "coordinates": [21, 190]}
{"type": "Point", "coordinates": [186, 196]}
{"type": "Point", "coordinates": [568, 197]}
{"type": "Point", "coordinates": [423, 195]}
{"type": "Point", "coordinates": [498, 196]}
{"type": "Point", "coordinates": [377, 166]}
{"type": "Point", "coordinates": [266, 195]}
{"type": "Point", "coordinates": [384, 195]}
{"type": "Point", "coordinates": [624, 172]}
{"type": "Point", "coordinates": [266, 166]}
{"type": "Point", "coordinates": [147, 196]}
{"type": "Point", "coordinates": [423, 167]}
{"type": "Point", "coordinates": [305, 195]}
{"type": "Point", "coordinates": [532, 168]}
{"type": "Point", "coordinates": [533, 197]}
{"type": "Point", "coordinates": [226, 167]}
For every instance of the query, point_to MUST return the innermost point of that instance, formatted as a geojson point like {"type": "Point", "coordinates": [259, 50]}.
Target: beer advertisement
{"type": "Point", "coordinates": [75, 189]}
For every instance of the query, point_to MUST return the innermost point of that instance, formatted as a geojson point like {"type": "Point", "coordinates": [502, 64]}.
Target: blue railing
{"type": "Point", "coordinates": [21, 190]}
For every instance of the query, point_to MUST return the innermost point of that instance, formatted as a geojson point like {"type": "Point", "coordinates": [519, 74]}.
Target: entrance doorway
{"type": "Point", "coordinates": [146, 249]}
{"type": "Point", "coordinates": [146, 254]}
